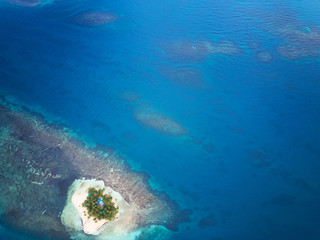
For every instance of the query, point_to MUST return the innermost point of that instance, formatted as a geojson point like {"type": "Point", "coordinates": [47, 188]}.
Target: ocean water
{"type": "Point", "coordinates": [242, 78]}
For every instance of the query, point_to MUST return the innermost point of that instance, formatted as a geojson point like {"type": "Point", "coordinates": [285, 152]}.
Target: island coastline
{"type": "Point", "coordinates": [29, 138]}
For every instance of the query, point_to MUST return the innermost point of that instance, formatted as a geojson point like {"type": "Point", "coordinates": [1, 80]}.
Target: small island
{"type": "Point", "coordinates": [95, 204]}
{"type": "Point", "coordinates": [49, 163]}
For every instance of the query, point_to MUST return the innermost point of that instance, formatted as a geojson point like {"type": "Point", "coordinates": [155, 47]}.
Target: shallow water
{"type": "Point", "coordinates": [248, 163]}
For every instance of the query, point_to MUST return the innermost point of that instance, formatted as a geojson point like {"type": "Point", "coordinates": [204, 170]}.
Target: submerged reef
{"type": "Point", "coordinates": [40, 161]}
{"type": "Point", "coordinates": [27, 3]}
{"type": "Point", "coordinates": [199, 50]}
{"type": "Point", "coordinates": [264, 56]}
{"type": "Point", "coordinates": [227, 47]}
{"type": "Point", "coordinates": [189, 77]}
{"type": "Point", "coordinates": [188, 50]}
{"type": "Point", "coordinates": [96, 18]}
{"type": "Point", "coordinates": [129, 96]}
{"type": "Point", "coordinates": [299, 42]}
{"type": "Point", "coordinates": [150, 117]}
{"type": "Point", "coordinates": [296, 52]}
{"type": "Point", "coordinates": [153, 118]}
{"type": "Point", "coordinates": [296, 38]}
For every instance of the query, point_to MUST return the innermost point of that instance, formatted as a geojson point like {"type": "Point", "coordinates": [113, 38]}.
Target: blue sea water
{"type": "Point", "coordinates": [249, 169]}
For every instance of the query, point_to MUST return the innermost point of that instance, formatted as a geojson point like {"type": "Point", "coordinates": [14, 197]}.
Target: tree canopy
{"type": "Point", "coordinates": [99, 205]}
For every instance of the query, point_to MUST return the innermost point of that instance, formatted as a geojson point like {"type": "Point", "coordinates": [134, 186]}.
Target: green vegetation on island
{"type": "Point", "coordinates": [99, 205]}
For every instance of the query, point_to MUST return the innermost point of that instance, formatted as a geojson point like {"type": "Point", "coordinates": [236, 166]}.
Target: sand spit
{"type": "Point", "coordinates": [41, 160]}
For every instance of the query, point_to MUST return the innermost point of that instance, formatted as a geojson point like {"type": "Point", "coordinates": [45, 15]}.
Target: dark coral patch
{"type": "Point", "coordinates": [280, 200]}
{"type": "Point", "coordinates": [208, 221]}
{"type": "Point", "coordinates": [259, 158]}
{"type": "Point", "coordinates": [184, 76]}
{"type": "Point", "coordinates": [130, 96]}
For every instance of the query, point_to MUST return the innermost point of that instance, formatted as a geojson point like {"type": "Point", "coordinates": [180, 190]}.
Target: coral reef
{"type": "Point", "coordinates": [264, 56]}
{"type": "Point", "coordinates": [188, 51]}
{"type": "Point", "coordinates": [200, 50]}
{"type": "Point", "coordinates": [185, 76]}
{"type": "Point", "coordinates": [40, 160]}
{"type": "Point", "coordinates": [298, 51]}
{"type": "Point", "coordinates": [27, 3]}
{"type": "Point", "coordinates": [226, 47]}
{"type": "Point", "coordinates": [152, 118]}
{"type": "Point", "coordinates": [93, 18]}
{"type": "Point", "coordinates": [298, 40]}
{"type": "Point", "coordinates": [129, 96]}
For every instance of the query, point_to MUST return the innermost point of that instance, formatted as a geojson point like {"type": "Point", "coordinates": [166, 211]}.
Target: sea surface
{"type": "Point", "coordinates": [240, 78]}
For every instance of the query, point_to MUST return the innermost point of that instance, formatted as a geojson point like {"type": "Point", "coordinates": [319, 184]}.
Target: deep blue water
{"type": "Point", "coordinates": [250, 167]}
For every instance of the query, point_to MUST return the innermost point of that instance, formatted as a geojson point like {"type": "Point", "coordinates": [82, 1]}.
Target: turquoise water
{"type": "Point", "coordinates": [249, 166]}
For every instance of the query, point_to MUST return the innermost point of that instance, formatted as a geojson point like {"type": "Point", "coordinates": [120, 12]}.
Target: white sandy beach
{"type": "Point", "coordinates": [89, 226]}
{"type": "Point", "coordinates": [73, 214]}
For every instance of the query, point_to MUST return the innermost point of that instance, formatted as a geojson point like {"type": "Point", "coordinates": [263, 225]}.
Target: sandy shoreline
{"type": "Point", "coordinates": [78, 195]}
{"type": "Point", "coordinates": [89, 226]}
